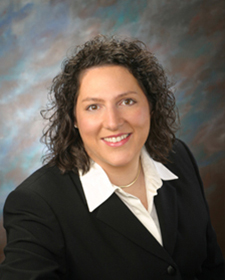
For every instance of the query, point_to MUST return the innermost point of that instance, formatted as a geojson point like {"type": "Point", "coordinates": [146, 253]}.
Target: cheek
{"type": "Point", "coordinates": [87, 126]}
{"type": "Point", "coordinates": [142, 118]}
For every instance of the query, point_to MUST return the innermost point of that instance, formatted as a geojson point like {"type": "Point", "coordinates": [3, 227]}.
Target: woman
{"type": "Point", "coordinates": [120, 197]}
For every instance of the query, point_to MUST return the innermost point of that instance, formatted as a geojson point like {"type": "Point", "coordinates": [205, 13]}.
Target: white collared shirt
{"type": "Point", "coordinates": [98, 188]}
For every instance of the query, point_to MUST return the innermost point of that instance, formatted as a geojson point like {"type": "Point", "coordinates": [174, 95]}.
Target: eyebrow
{"type": "Point", "coordinates": [100, 100]}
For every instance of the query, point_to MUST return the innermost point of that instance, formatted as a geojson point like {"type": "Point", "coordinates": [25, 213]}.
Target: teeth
{"type": "Point", "coordinates": [116, 139]}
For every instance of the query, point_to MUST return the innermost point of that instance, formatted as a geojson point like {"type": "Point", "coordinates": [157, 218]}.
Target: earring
{"type": "Point", "coordinates": [75, 126]}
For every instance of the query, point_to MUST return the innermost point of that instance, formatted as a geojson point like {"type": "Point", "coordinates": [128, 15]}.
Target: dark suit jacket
{"type": "Point", "coordinates": [52, 235]}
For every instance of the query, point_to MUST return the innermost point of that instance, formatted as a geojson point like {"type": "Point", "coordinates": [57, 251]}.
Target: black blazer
{"type": "Point", "coordinates": [52, 235]}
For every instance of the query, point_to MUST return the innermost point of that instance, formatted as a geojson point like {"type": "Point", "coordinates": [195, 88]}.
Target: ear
{"type": "Point", "coordinates": [75, 122]}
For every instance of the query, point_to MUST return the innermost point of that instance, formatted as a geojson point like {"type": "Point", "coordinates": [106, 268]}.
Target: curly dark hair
{"type": "Point", "coordinates": [66, 149]}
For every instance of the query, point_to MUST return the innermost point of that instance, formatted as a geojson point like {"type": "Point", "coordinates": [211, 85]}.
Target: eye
{"type": "Point", "coordinates": [128, 101]}
{"type": "Point", "coordinates": [92, 107]}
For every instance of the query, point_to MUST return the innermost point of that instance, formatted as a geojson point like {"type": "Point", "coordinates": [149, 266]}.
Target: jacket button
{"type": "Point", "coordinates": [171, 270]}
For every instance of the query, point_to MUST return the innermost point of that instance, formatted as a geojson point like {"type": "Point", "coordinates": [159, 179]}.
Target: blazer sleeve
{"type": "Point", "coordinates": [34, 247]}
{"type": "Point", "coordinates": [213, 266]}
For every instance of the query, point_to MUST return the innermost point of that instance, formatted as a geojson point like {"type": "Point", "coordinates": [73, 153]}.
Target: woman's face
{"type": "Point", "coordinates": [113, 116]}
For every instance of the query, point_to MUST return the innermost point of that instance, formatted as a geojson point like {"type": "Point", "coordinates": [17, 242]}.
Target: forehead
{"type": "Point", "coordinates": [95, 70]}
{"type": "Point", "coordinates": [108, 78]}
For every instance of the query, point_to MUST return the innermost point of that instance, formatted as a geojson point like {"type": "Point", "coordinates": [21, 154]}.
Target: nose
{"type": "Point", "coordinates": [112, 119]}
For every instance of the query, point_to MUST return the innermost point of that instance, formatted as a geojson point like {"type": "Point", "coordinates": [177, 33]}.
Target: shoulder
{"type": "Point", "coordinates": [181, 154]}
{"type": "Point", "coordinates": [182, 162]}
{"type": "Point", "coordinates": [47, 175]}
{"type": "Point", "coordinates": [180, 149]}
{"type": "Point", "coordinates": [43, 175]}
{"type": "Point", "coordinates": [49, 184]}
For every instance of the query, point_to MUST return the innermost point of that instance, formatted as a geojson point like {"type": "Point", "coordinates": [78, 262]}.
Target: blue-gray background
{"type": "Point", "coordinates": [188, 37]}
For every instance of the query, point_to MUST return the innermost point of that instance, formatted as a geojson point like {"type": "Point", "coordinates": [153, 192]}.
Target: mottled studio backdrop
{"type": "Point", "coordinates": [187, 36]}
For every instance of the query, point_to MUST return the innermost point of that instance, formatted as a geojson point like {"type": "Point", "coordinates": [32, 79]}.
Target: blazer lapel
{"type": "Point", "coordinates": [115, 213]}
{"type": "Point", "coordinates": [166, 207]}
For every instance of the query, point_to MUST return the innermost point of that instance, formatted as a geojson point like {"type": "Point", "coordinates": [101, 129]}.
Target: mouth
{"type": "Point", "coordinates": [116, 139]}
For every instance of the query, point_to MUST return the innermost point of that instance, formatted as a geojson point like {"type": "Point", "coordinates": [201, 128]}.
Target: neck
{"type": "Point", "coordinates": [124, 175]}
{"type": "Point", "coordinates": [135, 179]}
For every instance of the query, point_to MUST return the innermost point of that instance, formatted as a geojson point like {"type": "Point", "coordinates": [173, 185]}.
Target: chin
{"type": "Point", "coordinates": [119, 162]}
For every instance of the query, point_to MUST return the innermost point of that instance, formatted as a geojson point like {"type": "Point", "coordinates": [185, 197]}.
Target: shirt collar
{"type": "Point", "coordinates": [98, 188]}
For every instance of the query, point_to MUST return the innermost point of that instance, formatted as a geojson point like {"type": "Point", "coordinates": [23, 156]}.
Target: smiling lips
{"type": "Point", "coordinates": [116, 141]}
